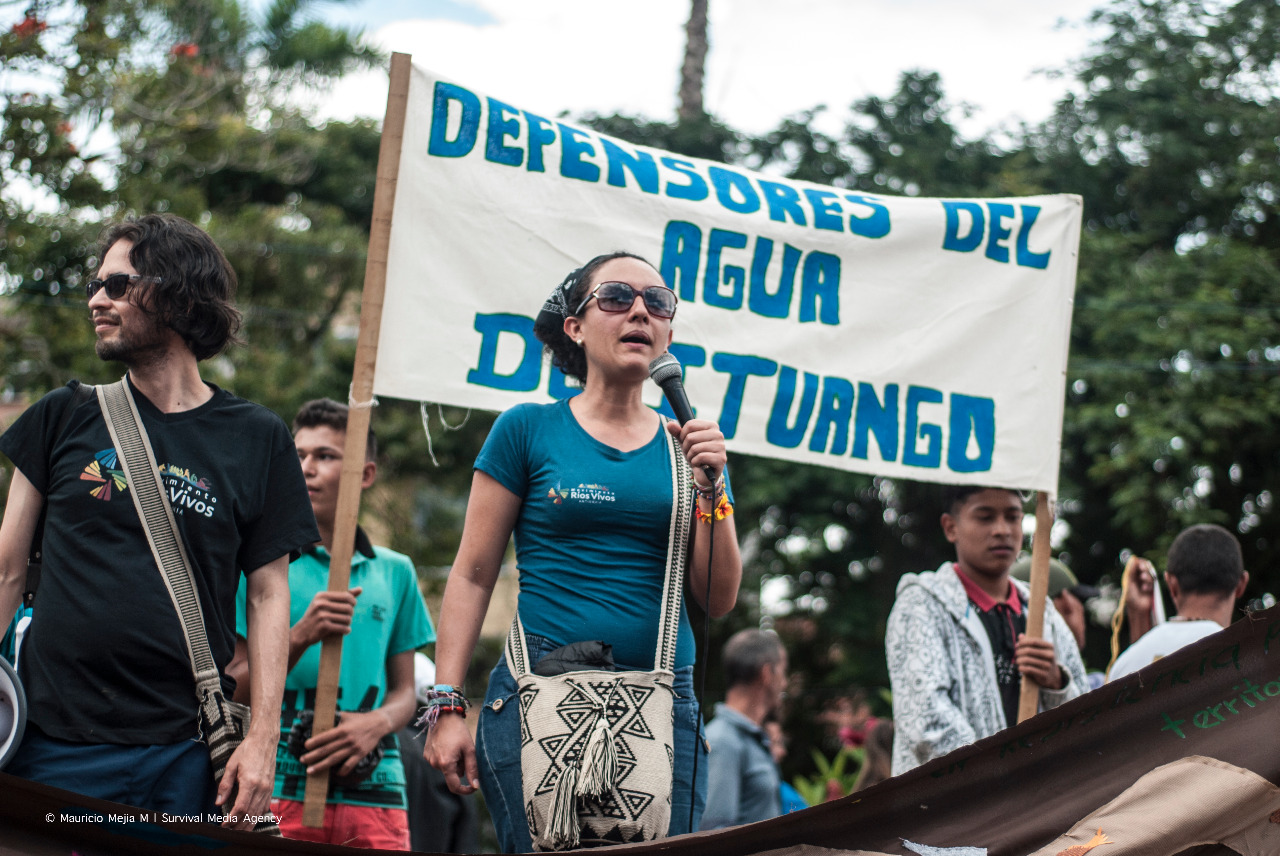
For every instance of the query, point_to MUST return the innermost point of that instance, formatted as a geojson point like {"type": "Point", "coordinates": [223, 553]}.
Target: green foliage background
{"type": "Point", "coordinates": [1173, 382]}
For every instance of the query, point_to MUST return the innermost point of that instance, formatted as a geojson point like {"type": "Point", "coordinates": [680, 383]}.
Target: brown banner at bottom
{"type": "Point", "coordinates": [1180, 759]}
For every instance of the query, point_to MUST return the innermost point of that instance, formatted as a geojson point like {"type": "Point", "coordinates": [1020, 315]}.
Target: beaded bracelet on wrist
{"type": "Point", "coordinates": [712, 491]}
{"type": "Point", "coordinates": [442, 698]}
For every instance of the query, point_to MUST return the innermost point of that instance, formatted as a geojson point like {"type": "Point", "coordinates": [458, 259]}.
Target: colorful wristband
{"type": "Point", "coordinates": [722, 510]}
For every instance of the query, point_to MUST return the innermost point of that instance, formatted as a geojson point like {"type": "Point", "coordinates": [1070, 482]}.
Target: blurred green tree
{"type": "Point", "coordinates": [1172, 383]}
{"type": "Point", "coordinates": [134, 106]}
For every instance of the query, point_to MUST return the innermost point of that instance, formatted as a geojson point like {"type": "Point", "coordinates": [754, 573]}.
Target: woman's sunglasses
{"type": "Point", "coordinates": [618, 297]}
{"type": "Point", "coordinates": [117, 285]}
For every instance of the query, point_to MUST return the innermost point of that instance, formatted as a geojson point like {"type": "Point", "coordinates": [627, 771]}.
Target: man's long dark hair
{"type": "Point", "coordinates": [196, 293]}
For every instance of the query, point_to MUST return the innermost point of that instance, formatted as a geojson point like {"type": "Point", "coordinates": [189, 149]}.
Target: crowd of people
{"type": "Point", "coordinates": [616, 512]}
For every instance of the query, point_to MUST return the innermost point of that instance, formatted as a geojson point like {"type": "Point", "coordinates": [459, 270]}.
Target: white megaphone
{"type": "Point", "coordinates": [13, 712]}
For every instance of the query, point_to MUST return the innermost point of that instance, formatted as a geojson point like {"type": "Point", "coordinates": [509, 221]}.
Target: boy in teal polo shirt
{"type": "Point", "coordinates": [384, 621]}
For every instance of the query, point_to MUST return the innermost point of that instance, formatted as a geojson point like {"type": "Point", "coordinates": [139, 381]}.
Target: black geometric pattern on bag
{"type": "Point", "coordinates": [552, 745]}
{"type": "Point", "coordinates": [618, 804]}
{"type": "Point", "coordinates": [578, 712]}
{"type": "Point", "coordinates": [563, 749]}
{"type": "Point", "coordinates": [636, 726]}
{"type": "Point", "coordinates": [527, 695]}
{"type": "Point", "coordinates": [580, 706]}
{"type": "Point", "coordinates": [593, 837]}
{"type": "Point", "coordinates": [547, 783]}
{"type": "Point", "coordinates": [224, 725]}
{"type": "Point", "coordinates": [627, 761]}
{"type": "Point", "coordinates": [625, 811]}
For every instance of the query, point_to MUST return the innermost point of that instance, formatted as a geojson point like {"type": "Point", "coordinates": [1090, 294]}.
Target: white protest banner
{"type": "Point", "coordinates": [917, 338]}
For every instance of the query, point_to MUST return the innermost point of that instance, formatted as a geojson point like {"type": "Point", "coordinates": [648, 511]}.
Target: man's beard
{"type": "Point", "coordinates": [134, 346]}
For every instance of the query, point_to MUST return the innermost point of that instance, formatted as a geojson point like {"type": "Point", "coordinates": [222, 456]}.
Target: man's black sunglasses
{"type": "Point", "coordinates": [117, 285]}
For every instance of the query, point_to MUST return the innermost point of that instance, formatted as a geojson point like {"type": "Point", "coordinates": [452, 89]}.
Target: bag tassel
{"type": "Point", "coordinates": [562, 831]}
{"type": "Point", "coordinates": [599, 761]}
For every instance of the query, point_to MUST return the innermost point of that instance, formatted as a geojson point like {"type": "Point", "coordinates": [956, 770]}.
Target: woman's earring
{"type": "Point", "coordinates": [579, 341]}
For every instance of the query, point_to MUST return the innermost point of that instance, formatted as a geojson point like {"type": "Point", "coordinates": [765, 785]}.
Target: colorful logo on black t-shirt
{"type": "Point", "coordinates": [105, 473]}
{"type": "Point", "coordinates": [185, 488]}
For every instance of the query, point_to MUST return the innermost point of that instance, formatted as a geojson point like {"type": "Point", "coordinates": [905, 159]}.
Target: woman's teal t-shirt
{"type": "Point", "coordinates": [591, 538]}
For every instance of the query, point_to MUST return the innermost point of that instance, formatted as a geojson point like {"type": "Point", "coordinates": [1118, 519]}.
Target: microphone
{"type": "Point", "coordinates": [665, 371]}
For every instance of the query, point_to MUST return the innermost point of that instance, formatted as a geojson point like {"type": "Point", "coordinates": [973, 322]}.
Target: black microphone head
{"type": "Point", "coordinates": [664, 369]}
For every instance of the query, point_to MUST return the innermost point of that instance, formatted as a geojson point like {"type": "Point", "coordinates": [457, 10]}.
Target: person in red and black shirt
{"type": "Point", "coordinates": [1005, 622]}
{"type": "Point", "coordinates": [955, 641]}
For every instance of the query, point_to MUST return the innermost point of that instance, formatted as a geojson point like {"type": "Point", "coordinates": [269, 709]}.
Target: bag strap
{"type": "Point", "coordinates": [681, 528]}
{"type": "Point", "coordinates": [133, 448]}
{"type": "Point", "coordinates": [678, 538]}
{"type": "Point", "coordinates": [517, 649]}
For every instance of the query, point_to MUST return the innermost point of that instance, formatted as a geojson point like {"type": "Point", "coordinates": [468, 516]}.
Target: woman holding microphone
{"type": "Point", "coordinates": [585, 484]}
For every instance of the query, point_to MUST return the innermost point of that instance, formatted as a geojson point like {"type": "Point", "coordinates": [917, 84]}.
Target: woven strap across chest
{"type": "Point", "coordinates": [147, 489]}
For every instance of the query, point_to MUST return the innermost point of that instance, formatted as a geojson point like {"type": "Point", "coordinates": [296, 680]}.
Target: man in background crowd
{"type": "Point", "coordinates": [1069, 597]}
{"type": "Point", "coordinates": [742, 779]}
{"type": "Point", "coordinates": [1206, 577]}
{"type": "Point", "coordinates": [384, 621]}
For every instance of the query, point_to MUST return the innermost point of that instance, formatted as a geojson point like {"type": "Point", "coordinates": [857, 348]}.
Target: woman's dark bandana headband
{"type": "Point", "coordinates": [556, 308]}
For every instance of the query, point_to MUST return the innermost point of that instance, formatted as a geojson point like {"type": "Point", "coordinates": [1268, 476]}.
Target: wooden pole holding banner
{"type": "Point", "coordinates": [1029, 701]}
{"type": "Point", "coordinates": [353, 452]}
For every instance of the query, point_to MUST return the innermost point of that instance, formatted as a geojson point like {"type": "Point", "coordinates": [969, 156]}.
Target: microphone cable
{"type": "Point", "coordinates": [701, 691]}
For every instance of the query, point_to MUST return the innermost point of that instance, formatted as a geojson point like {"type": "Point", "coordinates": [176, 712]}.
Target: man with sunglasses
{"type": "Point", "coordinates": [111, 696]}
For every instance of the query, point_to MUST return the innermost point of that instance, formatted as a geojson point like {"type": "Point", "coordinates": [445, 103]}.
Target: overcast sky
{"type": "Point", "coordinates": [768, 59]}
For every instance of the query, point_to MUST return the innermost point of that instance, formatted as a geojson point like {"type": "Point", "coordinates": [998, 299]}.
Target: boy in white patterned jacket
{"type": "Point", "coordinates": [955, 641]}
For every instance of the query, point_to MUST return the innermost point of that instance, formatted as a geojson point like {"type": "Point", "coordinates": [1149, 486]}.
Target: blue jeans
{"type": "Point", "coordinates": [176, 778]}
{"type": "Point", "coordinates": [498, 753]}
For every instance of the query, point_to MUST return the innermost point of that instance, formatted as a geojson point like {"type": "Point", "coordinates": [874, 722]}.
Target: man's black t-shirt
{"type": "Point", "coordinates": [104, 660]}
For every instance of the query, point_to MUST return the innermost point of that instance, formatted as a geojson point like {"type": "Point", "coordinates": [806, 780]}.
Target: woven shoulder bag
{"type": "Point", "coordinates": [597, 751]}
